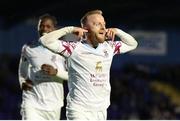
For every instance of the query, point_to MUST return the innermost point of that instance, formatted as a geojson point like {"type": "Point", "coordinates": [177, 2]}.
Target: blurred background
{"type": "Point", "coordinates": [145, 82]}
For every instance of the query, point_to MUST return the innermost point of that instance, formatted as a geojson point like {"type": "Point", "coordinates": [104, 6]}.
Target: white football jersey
{"type": "Point", "coordinates": [47, 92]}
{"type": "Point", "coordinates": [89, 71]}
{"type": "Point", "coordinates": [88, 67]}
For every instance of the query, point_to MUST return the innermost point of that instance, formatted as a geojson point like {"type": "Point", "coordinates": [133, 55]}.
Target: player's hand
{"type": "Point", "coordinates": [79, 31]}
{"type": "Point", "coordinates": [27, 85]}
{"type": "Point", "coordinates": [49, 70]}
{"type": "Point", "coordinates": [110, 33]}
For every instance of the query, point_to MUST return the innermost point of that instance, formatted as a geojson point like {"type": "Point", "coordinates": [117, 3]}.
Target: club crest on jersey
{"type": "Point", "coordinates": [99, 66]}
{"type": "Point", "coordinates": [53, 58]}
{"type": "Point", "coordinates": [106, 53]}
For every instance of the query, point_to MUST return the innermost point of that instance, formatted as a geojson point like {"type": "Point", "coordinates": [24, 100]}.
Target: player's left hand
{"type": "Point", "coordinates": [110, 33]}
{"type": "Point", "coordinates": [48, 69]}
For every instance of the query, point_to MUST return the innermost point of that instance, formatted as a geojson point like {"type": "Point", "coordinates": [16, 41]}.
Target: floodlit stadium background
{"type": "Point", "coordinates": [145, 83]}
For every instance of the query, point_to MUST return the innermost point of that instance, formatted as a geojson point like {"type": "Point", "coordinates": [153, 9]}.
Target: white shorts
{"type": "Point", "coordinates": [31, 113]}
{"type": "Point", "coordinates": [86, 115]}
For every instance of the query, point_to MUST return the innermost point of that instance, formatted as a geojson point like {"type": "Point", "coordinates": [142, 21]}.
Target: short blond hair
{"type": "Point", "coordinates": [84, 18]}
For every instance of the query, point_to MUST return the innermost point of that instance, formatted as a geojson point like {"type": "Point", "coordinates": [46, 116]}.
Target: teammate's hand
{"type": "Point", "coordinates": [27, 85]}
{"type": "Point", "coordinates": [79, 31]}
{"type": "Point", "coordinates": [48, 69]}
{"type": "Point", "coordinates": [110, 33]}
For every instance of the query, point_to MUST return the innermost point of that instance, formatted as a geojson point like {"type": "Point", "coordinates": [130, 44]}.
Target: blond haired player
{"type": "Point", "coordinates": [89, 63]}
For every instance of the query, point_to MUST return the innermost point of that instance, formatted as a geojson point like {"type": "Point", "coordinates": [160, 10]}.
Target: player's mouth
{"type": "Point", "coordinates": [102, 33]}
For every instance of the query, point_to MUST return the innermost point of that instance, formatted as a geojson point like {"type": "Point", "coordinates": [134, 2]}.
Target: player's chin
{"type": "Point", "coordinates": [101, 39]}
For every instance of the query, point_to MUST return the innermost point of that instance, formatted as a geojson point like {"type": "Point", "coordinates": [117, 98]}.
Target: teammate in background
{"type": "Point", "coordinates": [41, 75]}
{"type": "Point", "coordinates": [89, 62]}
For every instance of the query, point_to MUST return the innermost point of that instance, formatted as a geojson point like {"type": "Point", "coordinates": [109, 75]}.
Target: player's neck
{"type": "Point", "coordinates": [92, 43]}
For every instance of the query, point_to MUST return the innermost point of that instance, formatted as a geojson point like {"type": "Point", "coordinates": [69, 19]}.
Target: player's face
{"type": "Point", "coordinates": [96, 27]}
{"type": "Point", "coordinates": [46, 26]}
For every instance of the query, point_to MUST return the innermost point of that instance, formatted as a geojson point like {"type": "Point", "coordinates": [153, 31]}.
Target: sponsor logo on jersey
{"type": "Point", "coordinates": [99, 66]}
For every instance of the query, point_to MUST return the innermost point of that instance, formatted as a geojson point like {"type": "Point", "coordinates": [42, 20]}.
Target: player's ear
{"type": "Point", "coordinates": [83, 26]}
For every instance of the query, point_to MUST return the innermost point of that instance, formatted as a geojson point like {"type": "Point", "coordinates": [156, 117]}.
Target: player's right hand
{"type": "Point", "coordinates": [79, 31]}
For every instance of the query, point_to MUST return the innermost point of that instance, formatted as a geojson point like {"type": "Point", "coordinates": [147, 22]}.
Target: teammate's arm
{"type": "Point", "coordinates": [50, 70]}
{"type": "Point", "coordinates": [24, 65]}
{"type": "Point", "coordinates": [22, 70]}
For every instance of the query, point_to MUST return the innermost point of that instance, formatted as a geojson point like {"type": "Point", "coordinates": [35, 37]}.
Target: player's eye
{"type": "Point", "coordinates": [48, 26]}
{"type": "Point", "coordinates": [97, 24]}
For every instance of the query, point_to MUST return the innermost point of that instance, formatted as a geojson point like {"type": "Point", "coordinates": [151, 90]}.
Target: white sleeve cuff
{"type": "Point", "coordinates": [62, 74]}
